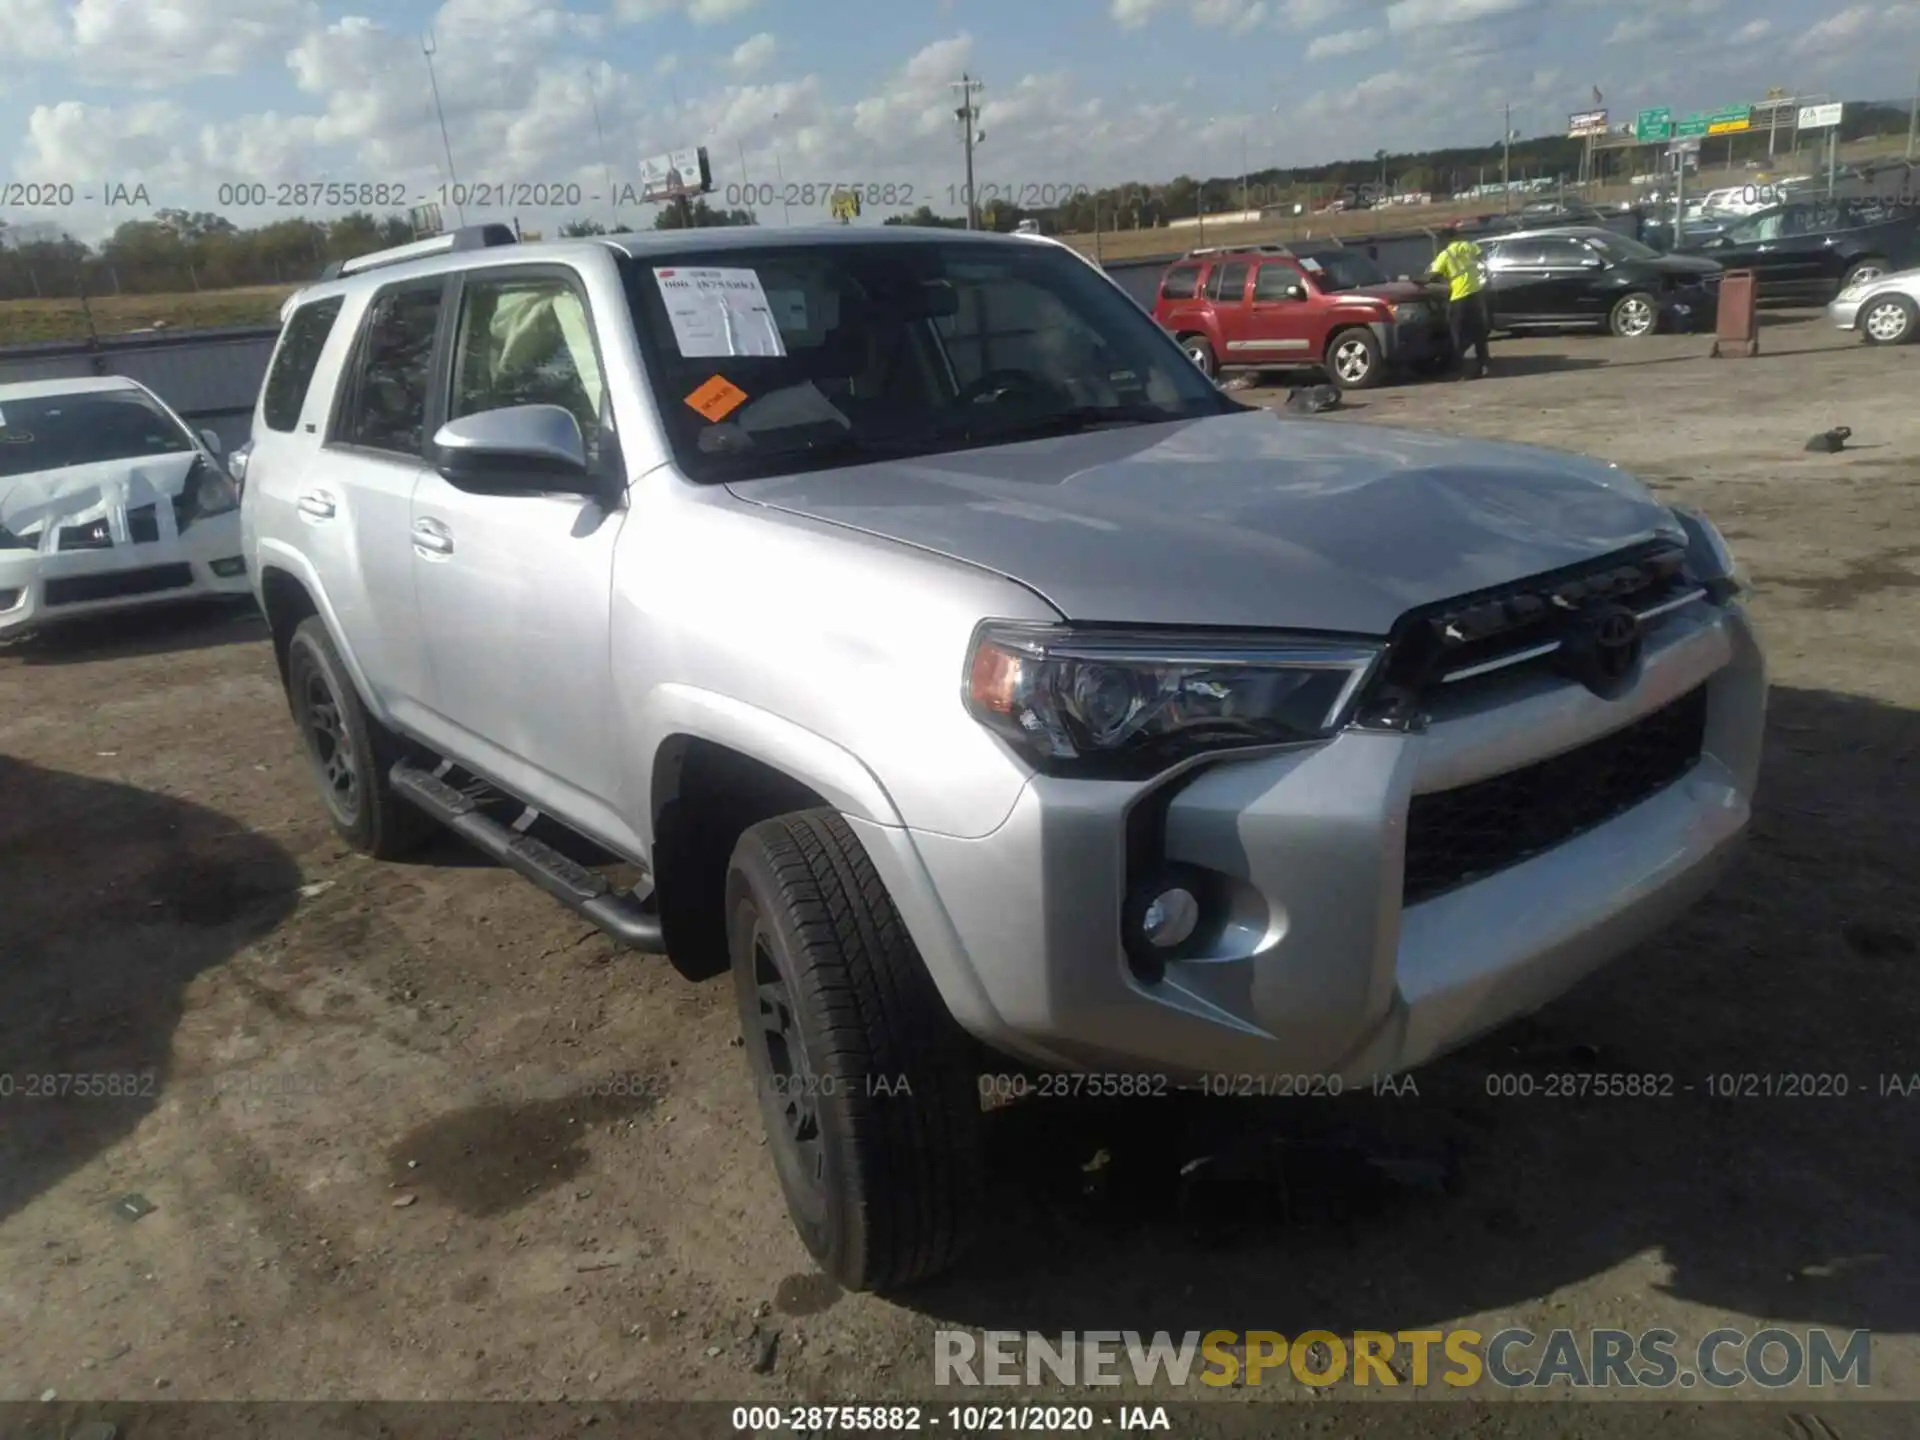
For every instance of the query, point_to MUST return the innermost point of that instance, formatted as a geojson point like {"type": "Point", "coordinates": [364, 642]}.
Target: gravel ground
{"type": "Point", "coordinates": [414, 1132]}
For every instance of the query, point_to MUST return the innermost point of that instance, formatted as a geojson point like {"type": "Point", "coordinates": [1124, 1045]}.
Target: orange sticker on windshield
{"type": "Point", "coordinates": [718, 398]}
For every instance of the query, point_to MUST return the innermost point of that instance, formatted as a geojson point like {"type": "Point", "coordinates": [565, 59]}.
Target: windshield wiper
{"type": "Point", "coordinates": [1073, 421]}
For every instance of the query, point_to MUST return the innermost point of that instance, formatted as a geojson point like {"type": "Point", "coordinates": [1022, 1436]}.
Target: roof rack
{"type": "Point", "coordinates": [1238, 250]}
{"type": "Point", "coordinates": [468, 237]}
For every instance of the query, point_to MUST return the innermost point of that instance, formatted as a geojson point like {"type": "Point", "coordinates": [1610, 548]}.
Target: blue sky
{"type": "Point", "coordinates": [184, 96]}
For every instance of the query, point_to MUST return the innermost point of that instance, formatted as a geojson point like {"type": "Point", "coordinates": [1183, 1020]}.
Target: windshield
{"type": "Point", "coordinates": [771, 360]}
{"type": "Point", "coordinates": [49, 432]}
{"type": "Point", "coordinates": [1338, 270]}
{"type": "Point", "coordinates": [1620, 247]}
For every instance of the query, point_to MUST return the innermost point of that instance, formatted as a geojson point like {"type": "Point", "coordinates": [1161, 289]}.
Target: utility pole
{"type": "Point", "coordinates": [427, 48]}
{"type": "Point", "coordinates": [1506, 156]}
{"type": "Point", "coordinates": [606, 169]}
{"type": "Point", "coordinates": [968, 114]}
{"type": "Point", "coordinates": [1913, 119]}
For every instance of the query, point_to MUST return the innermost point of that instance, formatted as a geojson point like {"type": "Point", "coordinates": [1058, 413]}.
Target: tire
{"type": "Point", "coordinates": [1353, 359]}
{"type": "Point", "coordinates": [350, 752]}
{"type": "Point", "coordinates": [1887, 320]}
{"type": "Point", "coordinates": [868, 1089]}
{"type": "Point", "coordinates": [1634, 315]}
{"type": "Point", "coordinates": [1201, 353]}
{"type": "Point", "coordinates": [1867, 267]}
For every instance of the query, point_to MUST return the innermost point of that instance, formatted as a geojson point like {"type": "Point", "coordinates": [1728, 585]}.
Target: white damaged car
{"type": "Point", "coordinates": [108, 500]}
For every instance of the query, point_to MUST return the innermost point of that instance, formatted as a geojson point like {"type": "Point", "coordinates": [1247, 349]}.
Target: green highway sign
{"type": "Point", "coordinates": [1653, 125]}
{"type": "Point", "coordinates": [1730, 120]}
{"type": "Point", "coordinates": [1694, 124]}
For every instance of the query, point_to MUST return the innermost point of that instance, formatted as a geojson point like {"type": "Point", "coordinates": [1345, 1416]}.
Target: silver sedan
{"type": "Point", "coordinates": [1885, 309]}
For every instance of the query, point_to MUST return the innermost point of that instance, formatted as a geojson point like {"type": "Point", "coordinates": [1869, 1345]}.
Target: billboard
{"type": "Point", "coordinates": [1820, 117]}
{"type": "Point", "coordinates": [677, 173]}
{"type": "Point", "coordinates": [1587, 122]}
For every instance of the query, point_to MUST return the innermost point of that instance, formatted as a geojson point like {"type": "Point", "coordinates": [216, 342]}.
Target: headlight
{"type": "Point", "coordinates": [1710, 562]}
{"type": "Point", "coordinates": [11, 541]}
{"type": "Point", "coordinates": [1132, 702]}
{"type": "Point", "coordinates": [1852, 292]}
{"type": "Point", "coordinates": [208, 491]}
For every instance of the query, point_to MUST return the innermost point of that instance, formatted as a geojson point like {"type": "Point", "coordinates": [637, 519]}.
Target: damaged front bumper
{"type": "Point", "coordinates": [116, 569]}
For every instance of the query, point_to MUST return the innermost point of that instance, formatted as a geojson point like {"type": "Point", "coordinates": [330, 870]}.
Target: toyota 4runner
{"type": "Point", "coordinates": [1263, 306]}
{"type": "Point", "coordinates": [899, 621]}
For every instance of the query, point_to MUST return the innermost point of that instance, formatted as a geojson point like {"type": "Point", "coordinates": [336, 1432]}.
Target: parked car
{"type": "Point", "coordinates": [973, 680]}
{"type": "Point", "coordinates": [1268, 307]}
{"type": "Point", "coordinates": [108, 500]}
{"type": "Point", "coordinates": [1806, 251]}
{"type": "Point", "coordinates": [1884, 309]}
{"type": "Point", "coordinates": [1583, 276]}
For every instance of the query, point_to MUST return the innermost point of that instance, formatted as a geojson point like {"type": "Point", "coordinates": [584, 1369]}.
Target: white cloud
{"type": "Point", "coordinates": [700, 12]}
{"type": "Point", "coordinates": [1238, 16]}
{"type": "Point", "coordinates": [155, 43]}
{"type": "Point", "coordinates": [1132, 14]}
{"type": "Point", "coordinates": [1753, 30]}
{"type": "Point", "coordinates": [1311, 14]}
{"type": "Point", "coordinates": [1426, 14]}
{"type": "Point", "coordinates": [754, 54]}
{"type": "Point", "coordinates": [1633, 29]}
{"type": "Point", "coordinates": [1841, 28]}
{"type": "Point", "coordinates": [33, 27]}
{"type": "Point", "coordinates": [1344, 42]}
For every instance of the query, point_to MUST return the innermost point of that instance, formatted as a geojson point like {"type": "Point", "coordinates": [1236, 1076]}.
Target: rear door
{"type": "Point", "coordinates": [1226, 289]}
{"type": "Point", "coordinates": [1572, 285]}
{"type": "Point", "coordinates": [1518, 272]}
{"type": "Point", "coordinates": [1179, 306]}
{"type": "Point", "coordinates": [1282, 321]}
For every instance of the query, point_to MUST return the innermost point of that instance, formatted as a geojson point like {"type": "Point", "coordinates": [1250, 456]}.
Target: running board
{"type": "Point", "coordinates": [587, 892]}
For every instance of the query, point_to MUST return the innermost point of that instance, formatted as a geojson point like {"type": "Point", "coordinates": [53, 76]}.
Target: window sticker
{"type": "Point", "coordinates": [718, 310]}
{"type": "Point", "coordinates": [717, 398]}
{"type": "Point", "coordinates": [1308, 263]}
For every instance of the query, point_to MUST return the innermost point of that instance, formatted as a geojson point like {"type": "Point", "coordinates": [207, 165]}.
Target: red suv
{"type": "Point", "coordinates": [1266, 306]}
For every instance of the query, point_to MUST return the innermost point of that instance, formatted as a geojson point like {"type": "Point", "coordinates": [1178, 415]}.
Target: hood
{"type": "Point", "coordinates": [1676, 264]}
{"type": "Point", "coordinates": [81, 493]}
{"type": "Point", "coordinates": [1394, 292]}
{"type": "Point", "coordinates": [1242, 520]}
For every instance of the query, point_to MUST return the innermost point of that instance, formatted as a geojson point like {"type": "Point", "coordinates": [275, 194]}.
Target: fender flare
{"type": "Point", "coordinates": [278, 555]}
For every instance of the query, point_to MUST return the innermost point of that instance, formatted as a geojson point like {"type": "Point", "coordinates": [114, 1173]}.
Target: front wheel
{"type": "Point", "coordinates": [1633, 315]}
{"type": "Point", "coordinates": [866, 1085]}
{"type": "Point", "coordinates": [1201, 353]}
{"type": "Point", "coordinates": [1353, 360]}
{"type": "Point", "coordinates": [1887, 320]}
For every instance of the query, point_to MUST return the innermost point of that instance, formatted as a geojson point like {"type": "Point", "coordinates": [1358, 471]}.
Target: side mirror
{"type": "Point", "coordinates": [1296, 291]}
{"type": "Point", "coordinates": [237, 462]}
{"type": "Point", "coordinates": [521, 448]}
{"type": "Point", "coordinates": [212, 442]}
{"type": "Point", "coordinates": [1594, 262]}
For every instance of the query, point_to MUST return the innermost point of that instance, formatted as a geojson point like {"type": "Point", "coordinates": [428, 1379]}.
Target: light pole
{"type": "Point", "coordinates": [427, 47]}
{"type": "Point", "coordinates": [1913, 119]}
{"type": "Point", "coordinates": [780, 173]}
{"type": "Point", "coordinates": [968, 114]}
{"type": "Point", "coordinates": [1506, 156]}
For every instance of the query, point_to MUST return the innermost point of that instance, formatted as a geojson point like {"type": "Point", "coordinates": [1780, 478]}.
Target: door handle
{"type": "Point", "coordinates": [431, 537]}
{"type": "Point", "coordinates": [316, 504]}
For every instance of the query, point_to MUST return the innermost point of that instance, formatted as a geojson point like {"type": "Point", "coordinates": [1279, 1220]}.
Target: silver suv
{"type": "Point", "coordinates": [898, 619]}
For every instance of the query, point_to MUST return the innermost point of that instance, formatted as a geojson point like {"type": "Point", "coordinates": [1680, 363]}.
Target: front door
{"type": "Point", "coordinates": [1280, 324]}
{"type": "Point", "coordinates": [515, 590]}
{"type": "Point", "coordinates": [1520, 282]}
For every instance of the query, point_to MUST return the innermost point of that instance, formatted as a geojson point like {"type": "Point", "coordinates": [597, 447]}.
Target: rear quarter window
{"type": "Point", "coordinates": [1182, 282]}
{"type": "Point", "coordinates": [291, 374]}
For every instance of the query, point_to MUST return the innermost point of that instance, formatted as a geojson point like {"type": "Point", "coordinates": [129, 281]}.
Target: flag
{"type": "Point", "coordinates": [1598, 98]}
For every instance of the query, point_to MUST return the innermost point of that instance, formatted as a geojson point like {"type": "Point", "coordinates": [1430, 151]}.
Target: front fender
{"type": "Point", "coordinates": [833, 772]}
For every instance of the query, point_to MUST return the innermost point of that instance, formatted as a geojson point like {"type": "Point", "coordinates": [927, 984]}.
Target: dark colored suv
{"type": "Point", "coordinates": [1266, 306]}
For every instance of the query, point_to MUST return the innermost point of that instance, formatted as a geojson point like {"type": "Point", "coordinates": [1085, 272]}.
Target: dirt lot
{"type": "Point", "coordinates": [413, 1132]}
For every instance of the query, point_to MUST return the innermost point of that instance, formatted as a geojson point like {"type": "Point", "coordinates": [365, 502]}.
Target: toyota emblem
{"type": "Point", "coordinates": [1601, 649]}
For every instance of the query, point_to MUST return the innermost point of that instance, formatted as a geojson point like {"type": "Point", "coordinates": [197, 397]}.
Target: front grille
{"type": "Point", "coordinates": [1491, 629]}
{"type": "Point", "coordinates": [1458, 836]}
{"type": "Point", "coordinates": [79, 589]}
{"type": "Point", "coordinates": [143, 526]}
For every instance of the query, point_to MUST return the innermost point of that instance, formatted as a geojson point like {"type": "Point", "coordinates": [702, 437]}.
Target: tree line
{"type": "Point", "coordinates": [176, 251]}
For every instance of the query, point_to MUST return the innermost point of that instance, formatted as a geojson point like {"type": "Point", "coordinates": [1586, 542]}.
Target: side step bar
{"type": "Point", "coordinates": [582, 890]}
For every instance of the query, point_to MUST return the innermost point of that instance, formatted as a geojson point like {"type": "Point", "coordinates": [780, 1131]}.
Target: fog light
{"type": "Point", "coordinates": [10, 598]}
{"type": "Point", "coordinates": [231, 566]}
{"type": "Point", "coordinates": [1170, 918]}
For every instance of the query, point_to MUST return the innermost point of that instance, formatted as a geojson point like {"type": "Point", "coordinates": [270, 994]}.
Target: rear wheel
{"type": "Point", "coordinates": [1888, 320]}
{"type": "Point", "coordinates": [867, 1087]}
{"type": "Point", "coordinates": [349, 750]}
{"type": "Point", "coordinates": [1201, 353]}
{"type": "Point", "coordinates": [1353, 359]}
{"type": "Point", "coordinates": [1633, 315]}
{"type": "Point", "coordinates": [1868, 267]}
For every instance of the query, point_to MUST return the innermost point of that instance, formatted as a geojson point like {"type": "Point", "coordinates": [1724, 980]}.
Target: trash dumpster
{"type": "Point", "coordinates": [1736, 329]}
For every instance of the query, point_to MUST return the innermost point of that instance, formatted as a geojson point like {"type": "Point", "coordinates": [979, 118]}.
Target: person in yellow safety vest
{"type": "Point", "coordinates": [1464, 269]}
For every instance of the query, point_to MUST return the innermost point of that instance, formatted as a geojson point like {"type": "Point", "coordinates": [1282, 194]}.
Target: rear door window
{"type": "Point", "coordinates": [385, 407]}
{"type": "Point", "coordinates": [291, 375]}
{"type": "Point", "coordinates": [1228, 283]}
